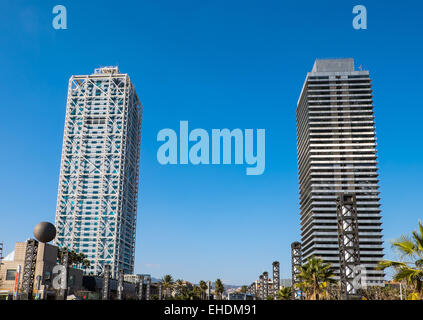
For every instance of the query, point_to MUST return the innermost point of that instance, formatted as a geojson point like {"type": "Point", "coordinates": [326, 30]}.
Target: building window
{"type": "Point", "coordinates": [10, 274]}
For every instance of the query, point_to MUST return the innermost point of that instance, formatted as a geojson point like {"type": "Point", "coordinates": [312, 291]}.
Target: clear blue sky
{"type": "Point", "coordinates": [217, 64]}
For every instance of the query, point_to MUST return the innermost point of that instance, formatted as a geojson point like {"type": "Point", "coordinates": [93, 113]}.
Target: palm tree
{"type": "Point", "coordinates": [203, 286]}
{"type": "Point", "coordinates": [410, 268]}
{"type": "Point", "coordinates": [243, 289]}
{"type": "Point", "coordinates": [167, 283]}
{"type": "Point", "coordinates": [196, 293]}
{"type": "Point", "coordinates": [284, 293]}
{"type": "Point", "coordinates": [315, 276]}
{"type": "Point", "coordinates": [77, 259]}
{"type": "Point", "coordinates": [219, 288]}
{"type": "Point", "coordinates": [179, 286]}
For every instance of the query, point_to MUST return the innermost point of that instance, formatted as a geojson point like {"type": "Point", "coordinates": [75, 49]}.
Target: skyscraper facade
{"type": "Point", "coordinates": [98, 185]}
{"type": "Point", "coordinates": [336, 145]}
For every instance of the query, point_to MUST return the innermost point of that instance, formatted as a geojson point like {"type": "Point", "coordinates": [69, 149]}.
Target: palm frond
{"type": "Point", "coordinates": [418, 240]}
{"type": "Point", "coordinates": [382, 265]}
{"type": "Point", "coordinates": [404, 246]}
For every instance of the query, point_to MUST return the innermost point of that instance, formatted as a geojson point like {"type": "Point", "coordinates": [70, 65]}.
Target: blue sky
{"type": "Point", "coordinates": [217, 64]}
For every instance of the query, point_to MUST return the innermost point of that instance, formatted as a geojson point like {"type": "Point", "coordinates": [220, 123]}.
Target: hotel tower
{"type": "Point", "coordinates": [98, 185]}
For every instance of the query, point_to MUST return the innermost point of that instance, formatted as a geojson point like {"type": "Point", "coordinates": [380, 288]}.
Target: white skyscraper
{"type": "Point", "coordinates": [98, 187]}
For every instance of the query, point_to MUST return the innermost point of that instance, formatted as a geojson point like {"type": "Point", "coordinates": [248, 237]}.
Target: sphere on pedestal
{"type": "Point", "coordinates": [44, 232]}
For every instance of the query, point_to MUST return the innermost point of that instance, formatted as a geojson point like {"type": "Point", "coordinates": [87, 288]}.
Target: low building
{"type": "Point", "coordinates": [11, 278]}
{"type": "Point", "coordinates": [92, 288]}
{"type": "Point", "coordinates": [239, 296]}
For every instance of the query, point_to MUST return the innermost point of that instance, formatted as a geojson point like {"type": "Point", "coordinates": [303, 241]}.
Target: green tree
{"type": "Point", "coordinates": [219, 288]}
{"type": "Point", "coordinates": [74, 259]}
{"type": "Point", "coordinates": [179, 287]}
{"type": "Point", "coordinates": [196, 293]}
{"type": "Point", "coordinates": [186, 292]}
{"type": "Point", "coordinates": [410, 266]}
{"type": "Point", "coordinates": [167, 284]}
{"type": "Point", "coordinates": [284, 293]}
{"type": "Point", "coordinates": [203, 287]}
{"type": "Point", "coordinates": [381, 293]}
{"type": "Point", "coordinates": [243, 289]}
{"type": "Point", "coordinates": [315, 277]}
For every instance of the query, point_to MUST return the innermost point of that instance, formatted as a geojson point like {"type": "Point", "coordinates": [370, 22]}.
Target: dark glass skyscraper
{"type": "Point", "coordinates": [336, 146]}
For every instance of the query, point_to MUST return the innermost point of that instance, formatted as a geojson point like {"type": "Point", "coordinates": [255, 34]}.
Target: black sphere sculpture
{"type": "Point", "coordinates": [44, 232]}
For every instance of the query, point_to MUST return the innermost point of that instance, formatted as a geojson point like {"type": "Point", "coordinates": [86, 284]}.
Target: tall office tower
{"type": "Point", "coordinates": [98, 187]}
{"type": "Point", "coordinates": [336, 146]}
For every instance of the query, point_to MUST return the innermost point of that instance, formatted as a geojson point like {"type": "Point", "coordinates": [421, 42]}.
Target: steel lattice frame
{"type": "Point", "coordinates": [98, 185]}
{"type": "Point", "coordinates": [1, 252]}
{"type": "Point", "coordinates": [255, 291]}
{"type": "Point", "coordinates": [140, 287]}
{"type": "Point", "coordinates": [28, 272]}
{"type": "Point", "coordinates": [348, 240]}
{"type": "Point", "coordinates": [266, 284]}
{"type": "Point", "coordinates": [261, 288]}
{"type": "Point", "coordinates": [209, 286]}
{"type": "Point", "coordinates": [296, 262]}
{"type": "Point", "coordinates": [276, 278]}
{"type": "Point", "coordinates": [251, 289]}
{"type": "Point", "coordinates": [106, 282]}
{"type": "Point", "coordinates": [148, 288]}
{"type": "Point", "coordinates": [160, 290]}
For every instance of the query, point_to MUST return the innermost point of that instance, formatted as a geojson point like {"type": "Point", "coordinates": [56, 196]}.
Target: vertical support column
{"type": "Point", "coordinates": [29, 269]}
{"type": "Point", "coordinates": [140, 287]}
{"type": "Point", "coordinates": [252, 290]}
{"type": "Point", "coordinates": [349, 250]}
{"type": "Point", "coordinates": [17, 283]}
{"type": "Point", "coordinates": [1, 252]}
{"type": "Point", "coordinates": [296, 262]}
{"type": "Point", "coordinates": [276, 278]}
{"type": "Point", "coordinates": [63, 291]}
{"type": "Point", "coordinates": [160, 290]}
{"type": "Point", "coordinates": [120, 285]}
{"type": "Point", "coordinates": [147, 289]}
{"type": "Point", "coordinates": [209, 285]}
{"type": "Point", "coordinates": [266, 284]}
{"type": "Point", "coordinates": [38, 287]}
{"type": "Point", "coordinates": [106, 282]}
